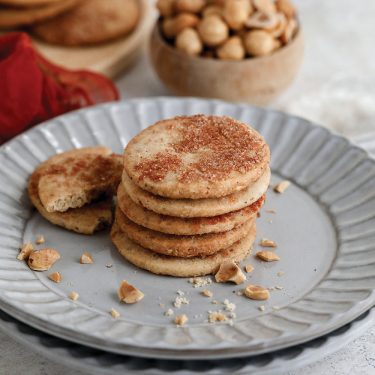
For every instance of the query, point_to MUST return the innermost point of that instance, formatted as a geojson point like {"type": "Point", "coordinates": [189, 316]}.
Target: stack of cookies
{"type": "Point", "coordinates": [191, 190]}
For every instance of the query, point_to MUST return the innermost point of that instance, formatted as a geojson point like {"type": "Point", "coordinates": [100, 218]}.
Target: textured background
{"type": "Point", "coordinates": [335, 87]}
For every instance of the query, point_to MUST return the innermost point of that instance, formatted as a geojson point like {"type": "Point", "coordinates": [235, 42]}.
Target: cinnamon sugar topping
{"type": "Point", "coordinates": [225, 146]}
{"type": "Point", "coordinates": [158, 167]}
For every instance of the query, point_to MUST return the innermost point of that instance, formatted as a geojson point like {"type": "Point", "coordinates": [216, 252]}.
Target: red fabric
{"type": "Point", "coordinates": [33, 90]}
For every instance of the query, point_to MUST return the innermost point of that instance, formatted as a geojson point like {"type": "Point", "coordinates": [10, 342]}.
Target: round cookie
{"type": "Point", "coordinates": [15, 17]}
{"type": "Point", "coordinates": [181, 246]}
{"type": "Point", "coordinates": [184, 226]}
{"type": "Point", "coordinates": [179, 267]}
{"type": "Point", "coordinates": [91, 22]}
{"type": "Point", "coordinates": [86, 220]}
{"type": "Point", "coordinates": [205, 207]}
{"type": "Point", "coordinates": [196, 157]}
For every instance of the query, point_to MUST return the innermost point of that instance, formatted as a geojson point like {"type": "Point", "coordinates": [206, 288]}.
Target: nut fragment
{"type": "Point", "coordinates": [259, 43]}
{"type": "Point", "coordinates": [249, 268]}
{"type": "Point", "coordinates": [265, 242]}
{"type": "Point", "coordinates": [188, 41]}
{"type": "Point", "coordinates": [236, 12]}
{"type": "Point", "coordinates": [207, 293]}
{"type": "Point", "coordinates": [128, 293]}
{"type": "Point", "coordinates": [232, 49]}
{"type": "Point", "coordinates": [115, 314]}
{"type": "Point", "coordinates": [267, 256]}
{"type": "Point", "coordinates": [190, 6]}
{"type": "Point", "coordinates": [55, 277]}
{"type": "Point", "coordinates": [180, 320]}
{"type": "Point", "coordinates": [40, 240]}
{"type": "Point", "coordinates": [25, 251]}
{"type": "Point", "coordinates": [229, 271]}
{"type": "Point", "coordinates": [86, 258]}
{"type": "Point", "coordinates": [257, 292]}
{"type": "Point", "coordinates": [42, 260]}
{"type": "Point", "coordinates": [73, 296]}
{"type": "Point", "coordinates": [213, 30]}
{"type": "Point", "coordinates": [281, 186]}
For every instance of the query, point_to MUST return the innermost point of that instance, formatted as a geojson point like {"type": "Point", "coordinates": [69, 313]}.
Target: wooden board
{"type": "Point", "coordinates": [110, 58]}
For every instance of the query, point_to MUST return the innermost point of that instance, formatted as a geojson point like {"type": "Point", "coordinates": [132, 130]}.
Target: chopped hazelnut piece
{"type": "Point", "coordinates": [267, 256]}
{"type": "Point", "coordinates": [257, 292]}
{"type": "Point", "coordinates": [249, 268]}
{"type": "Point", "coordinates": [25, 251]}
{"type": "Point", "coordinates": [86, 258]}
{"type": "Point", "coordinates": [281, 187]}
{"type": "Point", "coordinates": [180, 320]}
{"type": "Point", "coordinates": [40, 240]}
{"type": "Point", "coordinates": [55, 277]}
{"type": "Point", "coordinates": [262, 308]}
{"type": "Point", "coordinates": [207, 293]}
{"type": "Point", "coordinates": [42, 260]}
{"type": "Point", "coordinates": [73, 296]}
{"type": "Point", "coordinates": [265, 242]}
{"type": "Point", "coordinates": [115, 314]}
{"type": "Point", "coordinates": [128, 293]}
{"type": "Point", "coordinates": [229, 271]}
{"type": "Point", "coordinates": [216, 316]}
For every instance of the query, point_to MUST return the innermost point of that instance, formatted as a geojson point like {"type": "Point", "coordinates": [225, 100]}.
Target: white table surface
{"type": "Point", "coordinates": [336, 87]}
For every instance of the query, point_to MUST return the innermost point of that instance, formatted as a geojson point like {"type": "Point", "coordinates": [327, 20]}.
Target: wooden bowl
{"type": "Point", "coordinates": [253, 80]}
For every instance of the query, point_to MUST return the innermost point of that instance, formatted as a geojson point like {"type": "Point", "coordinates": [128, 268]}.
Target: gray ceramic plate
{"type": "Point", "coordinates": [94, 361]}
{"type": "Point", "coordinates": [324, 227]}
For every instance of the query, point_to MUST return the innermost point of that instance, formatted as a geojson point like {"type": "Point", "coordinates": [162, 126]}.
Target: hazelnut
{"type": "Point", "coordinates": [286, 37]}
{"type": "Point", "coordinates": [192, 6]}
{"type": "Point", "coordinates": [165, 7]}
{"type": "Point", "coordinates": [212, 10]}
{"type": "Point", "coordinates": [259, 43]}
{"type": "Point", "coordinates": [257, 292]}
{"type": "Point", "coordinates": [42, 260]}
{"type": "Point", "coordinates": [213, 30]}
{"type": "Point", "coordinates": [236, 12]}
{"type": "Point", "coordinates": [173, 26]}
{"type": "Point", "coordinates": [232, 49]}
{"type": "Point", "coordinates": [188, 41]}
{"type": "Point", "coordinates": [265, 6]}
{"type": "Point", "coordinates": [55, 277]}
{"type": "Point", "coordinates": [279, 29]}
{"type": "Point", "coordinates": [128, 293]}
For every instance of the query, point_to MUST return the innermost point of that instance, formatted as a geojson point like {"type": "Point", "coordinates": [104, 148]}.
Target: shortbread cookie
{"type": "Point", "coordinates": [184, 226]}
{"type": "Point", "coordinates": [196, 157]}
{"type": "Point", "coordinates": [91, 22]}
{"type": "Point", "coordinates": [179, 267]}
{"type": "Point", "coordinates": [78, 177]}
{"type": "Point", "coordinates": [205, 207]}
{"type": "Point", "coordinates": [86, 220]}
{"type": "Point", "coordinates": [14, 17]}
{"type": "Point", "coordinates": [27, 3]}
{"type": "Point", "coordinates": [181, 246]}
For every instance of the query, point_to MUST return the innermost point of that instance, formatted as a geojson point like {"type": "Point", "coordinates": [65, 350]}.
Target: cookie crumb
{"type": "Point", "coordinates": [267, 256]}
{"type": "Point", "coordinates": [109, 265]}
{"type": "Point", "coordinates": [179, 301]}
{"type": "Point", "coordinates": [206, 293]}
{"type": "Point", "coordinates": [249, 268]}
{"type": "Point", "coordinates": [271, 211]}
{"type": "Point", "coordinates": [216, 316]}
{"type": "Point", "coordinates": [127, 293]}
{"type": "Point", "coordinates": [281, 273]}
{"type": "Point", "coordinates": [200, 281]}
{"type": "Point", "coordinates": [279, 287]}
{"type": "Point", "coordinates": [261, 308]}
{"type": "Point", "coordinates": [181, 320]}
{"type": "Point", "coordinates": [265, 242]}
{"type": "Point", "coordinates": [214, 302]}
{"type": "Point", "coordinates": [229, 306]}
{"type": "Point", "coordinates": [73, 296]}
{"type": "Point", "coordinates": [25, 251]}
{"type": "Point", "coordinates": [115, 314]}
{"type": "Point", "coordinates": [86, 258]}
{"type": "Point", "coordinates": [281, 186]}
{"type": "Point", "coordinates": [169, 312]}
{"type": "Point", "coordinates": [40, 240]}
{"type": "Point", "coordinates": [257, 292]}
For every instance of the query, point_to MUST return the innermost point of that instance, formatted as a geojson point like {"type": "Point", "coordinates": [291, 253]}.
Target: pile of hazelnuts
{"type": "Point", "coordinates": [228, 29]}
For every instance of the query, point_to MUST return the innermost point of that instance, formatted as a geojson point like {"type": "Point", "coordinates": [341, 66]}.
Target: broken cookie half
{"type": "Point", "coordinates": [75, 189]}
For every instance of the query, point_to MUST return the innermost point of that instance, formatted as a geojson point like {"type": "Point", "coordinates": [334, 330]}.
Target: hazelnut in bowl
{"type": "Point", "coordinates": [236, 50]}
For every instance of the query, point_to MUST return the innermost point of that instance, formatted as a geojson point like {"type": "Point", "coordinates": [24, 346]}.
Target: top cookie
{"type": "Point", "coordinates": [77, 177]}
{"type": "Point", "coordinates": [196, 157]}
